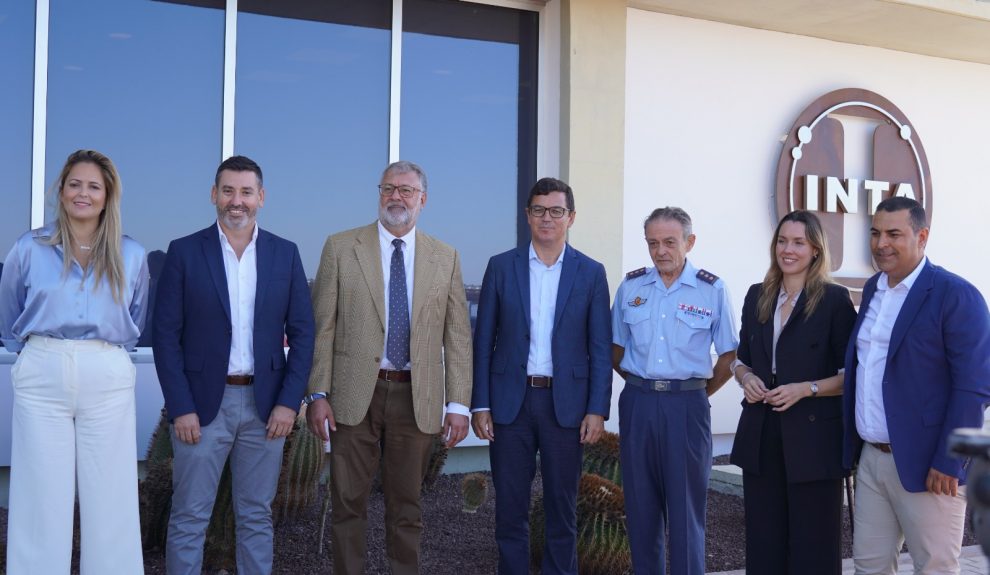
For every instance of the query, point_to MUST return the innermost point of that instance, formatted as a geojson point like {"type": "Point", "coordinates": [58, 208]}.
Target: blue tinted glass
{"type": "Point", "coordinates": [312, 110]}
{"type": "Point", "coordinates": [141, 81]}
{"type": "Point", "coordinates": [461, 110]}
{"type": "Point", "coordinates": [17, 71]}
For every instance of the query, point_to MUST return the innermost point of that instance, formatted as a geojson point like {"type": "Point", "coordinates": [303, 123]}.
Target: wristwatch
{"type": "Point", "coordinates": [313, 397]}
{"type": "Point", "coordinates": [814, 389]}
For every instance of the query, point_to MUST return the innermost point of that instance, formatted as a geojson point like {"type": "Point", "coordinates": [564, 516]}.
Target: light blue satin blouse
{"type": "Point", "coordinates": [37, 299]}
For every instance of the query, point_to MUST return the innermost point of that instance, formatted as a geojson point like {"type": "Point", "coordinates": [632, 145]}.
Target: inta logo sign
{"type": "Point", "coordinates": [845, 153]}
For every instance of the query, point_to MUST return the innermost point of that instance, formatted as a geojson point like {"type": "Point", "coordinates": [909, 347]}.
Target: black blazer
{"type": "Point", "coordinates": [808, 349]}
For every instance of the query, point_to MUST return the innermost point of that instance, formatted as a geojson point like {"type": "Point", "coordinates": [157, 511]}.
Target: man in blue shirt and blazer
{"type": "Point", "coordinates": [542, 377]}
{"type": "Point", "coordinates": [229, 296]}
{"type": "Point", "coordinates": [917, 367]}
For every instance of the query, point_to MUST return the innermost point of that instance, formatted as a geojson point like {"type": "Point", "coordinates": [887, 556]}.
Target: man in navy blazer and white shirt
{"type": "Point", "coordinates": [917, 367]}
{"type": "Point", "coordinates": [228, 297]}
{"type": "Point", "coordinates": [542, 377]}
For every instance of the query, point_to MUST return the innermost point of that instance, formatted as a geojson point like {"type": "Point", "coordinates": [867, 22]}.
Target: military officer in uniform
{"type": "Point", "coordinates": [664, 322]}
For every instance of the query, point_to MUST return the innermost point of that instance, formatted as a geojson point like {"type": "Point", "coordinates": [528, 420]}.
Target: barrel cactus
{"type": "Point", "coordinates": [602, 458]}
{"type": "Point", "coordinates": [474, 491]}
{"type": "Point", "coordinates": [602, 539]}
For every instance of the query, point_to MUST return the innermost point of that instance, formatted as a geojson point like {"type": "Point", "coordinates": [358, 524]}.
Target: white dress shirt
{"type": "Point", "coordinates": [242, 281]}
{"type": "Point", "coordinates": [543, 283]}
{"type": "Point", "coordinates": [408, 260]}
{"type": "Point", "coordinates": [872, 343]}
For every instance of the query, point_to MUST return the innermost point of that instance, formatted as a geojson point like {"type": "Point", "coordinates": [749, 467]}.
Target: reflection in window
{"type": "Point", "coordinates": [141, 81]}
{"type": "Point", "coordinates": [469, 117]}
{"type": "Point", "coordinates": [312, 110]}
{"type": "Point", "coordinates": [17, 71]}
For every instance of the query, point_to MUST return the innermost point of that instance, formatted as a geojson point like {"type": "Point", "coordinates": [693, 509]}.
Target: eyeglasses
{"type": "Point", "coordinates": [404, 191]}
{"type": "Point", "coordinates": [556, 212]}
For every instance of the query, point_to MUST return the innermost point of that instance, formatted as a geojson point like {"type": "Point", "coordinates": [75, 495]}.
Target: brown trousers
{"type": "Point", "coordinates": [387, 433]}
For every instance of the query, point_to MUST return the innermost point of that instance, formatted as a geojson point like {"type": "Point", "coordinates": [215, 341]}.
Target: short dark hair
{"type": "Point", "coordinates": [239, 164]}
{"type": "Point", "coordinates": [546, 186]}
{"type": "Point", "coordinates": [673, 214]}
{"type": "Point", "coordinates": [919, 219]}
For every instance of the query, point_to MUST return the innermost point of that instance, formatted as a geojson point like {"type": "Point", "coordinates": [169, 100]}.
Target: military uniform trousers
{"type": "Point", "coordinates": [666, 458]}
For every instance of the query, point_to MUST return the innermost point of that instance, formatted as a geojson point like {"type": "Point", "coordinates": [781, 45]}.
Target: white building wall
{"type": "Point", "coordinates": [707, 105]}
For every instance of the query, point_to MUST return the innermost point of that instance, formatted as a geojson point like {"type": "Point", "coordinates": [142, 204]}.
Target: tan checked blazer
{"type": "Point", "coordinates": [349, 304]}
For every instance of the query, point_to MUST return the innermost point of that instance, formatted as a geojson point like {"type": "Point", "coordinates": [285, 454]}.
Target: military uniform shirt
{"type": "Point", "coordinates": [668, 333]}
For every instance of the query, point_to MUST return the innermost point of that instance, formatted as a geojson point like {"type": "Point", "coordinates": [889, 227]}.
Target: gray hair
{"type": "Point", "coordinates": [670, 213]}
{"type": "Point", "coordinates": [404, 167]}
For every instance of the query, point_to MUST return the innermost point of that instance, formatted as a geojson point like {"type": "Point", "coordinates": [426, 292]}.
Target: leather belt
{"type": "Point", "coordinates": [884, 447]}
{"type": "Point", "coordinates": [395, 375]}
{"type": "Point", "coordinates": [541, 381]}
{"type": "Point", "coordinates": [667, 384]}
{"type": "Point", "coordinates": [240, 379]}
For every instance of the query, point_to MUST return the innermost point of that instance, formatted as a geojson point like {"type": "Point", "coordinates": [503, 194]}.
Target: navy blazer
{"type": "Point", "coordinates": [580, 341]}
{"type": "Point", "coordinates": [192, 331]}
{"type": "Point", "coordinates": [937, 376]}
{"type": "Point", "coordinates": [809, 349]}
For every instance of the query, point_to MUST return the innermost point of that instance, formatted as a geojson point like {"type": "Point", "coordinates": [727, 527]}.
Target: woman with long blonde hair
{"type": "Point", "coordinates": [73, 298]}
{"type": "Point", "coordinates": [795, 327]}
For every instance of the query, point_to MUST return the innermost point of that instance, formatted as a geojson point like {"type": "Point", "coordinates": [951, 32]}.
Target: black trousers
{"type": "Point", "coordinates": [791, 528]}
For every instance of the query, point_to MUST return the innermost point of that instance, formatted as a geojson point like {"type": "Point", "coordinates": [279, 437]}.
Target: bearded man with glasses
{"type": "Point", "coordinates": [393, 348]}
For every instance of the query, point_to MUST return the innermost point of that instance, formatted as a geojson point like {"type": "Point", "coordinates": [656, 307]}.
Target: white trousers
{"type": "Point", "coordinates": [73, 424]}
{"type": "Point", "coordinates": [887, 515]}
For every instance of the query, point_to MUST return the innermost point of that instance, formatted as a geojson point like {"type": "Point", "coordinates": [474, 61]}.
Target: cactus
{"type": "Point", "coordinates": [602, 539]}
{"type": "Point", "coordinates": [302, 462]}
{"type": "Point", "coordinates": [474, 491]}
{"type": "Point", "coordinates": [438, 458]}
{"type": "Point", "coordinates": [602, 458]}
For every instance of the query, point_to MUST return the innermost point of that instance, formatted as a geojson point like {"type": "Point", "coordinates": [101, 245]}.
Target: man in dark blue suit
{"type": "Point", "coordinates": [917, 367]}
{"type": "Point", "coordinates": [542, 377]}
{"type": "Point", "coordinates": [228, 297]}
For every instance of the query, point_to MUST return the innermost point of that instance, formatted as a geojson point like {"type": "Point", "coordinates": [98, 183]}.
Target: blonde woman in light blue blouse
{"type": "Point", "coordinates": [73, 298]}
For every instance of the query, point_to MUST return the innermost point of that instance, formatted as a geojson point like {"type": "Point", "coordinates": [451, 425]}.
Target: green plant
{"type": "Point", "coordinates": [602, 539]}
{"type": "Point", "coordinates": [602, 458]}
{"type": "Point", "coordinates": [474, 491]}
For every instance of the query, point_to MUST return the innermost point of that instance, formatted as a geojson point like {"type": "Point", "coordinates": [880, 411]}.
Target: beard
{"type": "Point", "coordinates": [395, 215]}
{"type": "Point", "coordinates": [236, 220]}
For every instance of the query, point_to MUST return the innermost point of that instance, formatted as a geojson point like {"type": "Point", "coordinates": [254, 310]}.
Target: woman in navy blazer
{"type": "Point", "coordinates": [795, 327]}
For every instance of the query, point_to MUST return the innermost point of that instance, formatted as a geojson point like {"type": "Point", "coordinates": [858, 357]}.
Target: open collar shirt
{"type": "Point", "coordinates": [544, 281]}
{"type": "Point", "coordinates": [242, 283]}
{"type": "Point", "coordinates": [872, 343]}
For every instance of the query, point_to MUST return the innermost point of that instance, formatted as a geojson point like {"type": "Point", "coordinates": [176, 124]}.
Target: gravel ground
{"type": "Point", "coordinates": [457, 543]}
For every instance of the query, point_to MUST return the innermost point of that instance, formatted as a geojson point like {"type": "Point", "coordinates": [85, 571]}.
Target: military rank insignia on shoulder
{"type": "Point", "coordinates": [635, 273]}
{"type": "Point", "coordinates": [707, 276]}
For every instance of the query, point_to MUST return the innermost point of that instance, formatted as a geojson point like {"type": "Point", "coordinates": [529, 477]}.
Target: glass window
{"type": "Point", "coordinates": [141, 81]}
{"type": "Point", "coordinates": [17, 71]}
{"type": "Point", "coordinates": [312, 110]}
{"type": "Point", "coordinates": [469, 118]}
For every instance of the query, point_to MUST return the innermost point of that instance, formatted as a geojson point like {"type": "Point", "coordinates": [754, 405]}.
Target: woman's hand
{"type": "Point", "coordinates": [753, 388]}
{"type": "Point", "coordinates": [783, 397]}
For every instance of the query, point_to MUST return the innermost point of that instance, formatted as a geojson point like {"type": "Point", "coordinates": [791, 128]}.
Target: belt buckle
{"type": "Point", "coordinates": [661, 385]}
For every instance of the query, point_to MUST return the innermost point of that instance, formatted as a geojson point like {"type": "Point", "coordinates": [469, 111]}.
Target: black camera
{"type": "Point", "coordinates": [973, 444]}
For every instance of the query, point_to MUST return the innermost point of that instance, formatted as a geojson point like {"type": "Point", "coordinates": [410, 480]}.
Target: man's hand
{"type": "Point", "coordinates": [592, 428]}
{"type": "Point", "coordinates": [784, 396]}
{"type": "Point", "coordinates": [481, 421]}
{"type": "Point", "coordinates": [455, 428]}
{"type": "Point", "coordinates": [280, 422]}
{"type": "Point", "coordinates": [187, 428]}
{"type": "Point", "coordinates": [317, 413]}
{"type": "Point", "coordinates": [941, 484]}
